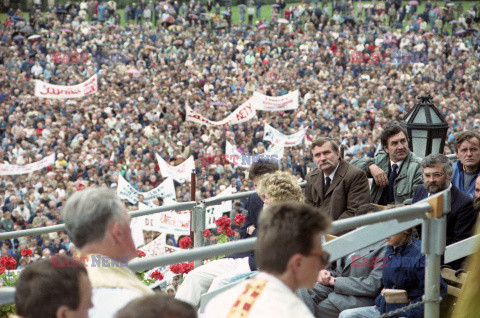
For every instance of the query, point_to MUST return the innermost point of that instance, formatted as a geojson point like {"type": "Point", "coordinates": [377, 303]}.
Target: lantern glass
{"type": "Point", "coordinates": [435, 118]}
{"type": "Point", "coordinates": [419, 141]}
{"type": "Point", "coordinates": [421, 117]}
{"type": "Point", "coordinates": [436, 142]}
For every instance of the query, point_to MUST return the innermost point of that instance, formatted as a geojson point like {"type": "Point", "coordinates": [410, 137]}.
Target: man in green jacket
{"type": "Point", "coordinates": [395, 170]}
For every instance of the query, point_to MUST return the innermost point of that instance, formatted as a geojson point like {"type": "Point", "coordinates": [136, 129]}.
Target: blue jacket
{"type": "Point", "coordinates": [458, 177]}
{"type": "Point", "coordinates": [404, 268]}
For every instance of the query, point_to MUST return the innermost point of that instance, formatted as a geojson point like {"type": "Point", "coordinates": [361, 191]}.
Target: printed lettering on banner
{"type": "Point", "coordinates": [276, 103]}
{"type": "Point", "coordinates": [179, 173]}
{"type": "Point", "coordinates": [214, 212]}
{"type": "Point", "coordinates": [11, 170]}
{"type": "Point", "coordinates": [47, 90]}
{"type": "Point", "coordinates": [166, 191]}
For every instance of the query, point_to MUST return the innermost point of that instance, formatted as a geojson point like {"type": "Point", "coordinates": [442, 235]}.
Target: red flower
{"type": "Point", "coordinates": [26, 252]}
{"type": "Point", "coordinates": [141, 253]}
{"type": "Point", "coordinates": [8, 262]}
{"type": "Point", "coordinates": [223, 222]}
{"type": "Point", "coordinates": [176, 268]}
{"type": "Point", "coordinates": [185, 242]}
{"type": "Point", "coordinates": [221, 230]}
{"type": "Point", "coordinates": [229, 232]}
{"type": "Point", "coordinates": [207, 233]}
{"type": "Point", "coordinates": [157, 275]}
{"type": "Point", "coordinates": [239, 219]}
{"type": "Point", "coordinates": [187, 267]}
{"type": "Point", "coordinates": [2, 269]}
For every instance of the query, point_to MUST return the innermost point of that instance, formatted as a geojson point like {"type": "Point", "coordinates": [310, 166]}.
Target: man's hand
{"type": "Point", "coordinates": [250, 229]}
{"type": "Point", "coordinates": [378, 175]}
{"type": "Point", "coordinates": [324, 277]}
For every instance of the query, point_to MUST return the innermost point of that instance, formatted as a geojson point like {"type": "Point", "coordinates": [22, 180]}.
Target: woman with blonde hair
{"type": "Point", "coordinates": [279, 187]}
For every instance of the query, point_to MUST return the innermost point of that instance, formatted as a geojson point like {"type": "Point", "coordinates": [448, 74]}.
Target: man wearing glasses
{"type": "Point", "coordinates": [437, 176]}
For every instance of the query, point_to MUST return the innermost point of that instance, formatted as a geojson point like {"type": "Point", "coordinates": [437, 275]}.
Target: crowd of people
{"type": "Point", "coordinates": [357, 66]}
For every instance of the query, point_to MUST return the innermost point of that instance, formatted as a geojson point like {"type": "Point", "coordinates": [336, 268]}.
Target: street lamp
{"type": "Point", "coordinates": [426, 128]}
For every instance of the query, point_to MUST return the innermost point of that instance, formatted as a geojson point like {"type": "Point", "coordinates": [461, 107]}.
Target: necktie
{"type": "Point", "coordinates": [391, 181]}
{"type": "Point", "coordinates": [327, 184]}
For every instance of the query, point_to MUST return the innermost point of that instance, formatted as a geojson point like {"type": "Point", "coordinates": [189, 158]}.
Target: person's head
{"type": "Point", "coordinates": [289, 243]}
{"type": "Point", "coordinates": [157, 306]}
{"type": "Point", "coordinates": [368, 208]}
{"type": "Point", "coordinates": [98, 223]}
{"type": "Point", "coordinates": [437, 172]}
{"type": "Point", "coordinates": [398, 239]}
{"type": "Point", "coordinates": [325, 154]}
{"type": "Point", "coordinates": [467, 149]}
{"type": "Point", "coordinates": [46, 290]}
{"type": "Point", "coordinates": [394, 141]}
{"type": "Point", "coordinates": [279, 187]}
{"type": "Point", "coordinates": [260, 168]}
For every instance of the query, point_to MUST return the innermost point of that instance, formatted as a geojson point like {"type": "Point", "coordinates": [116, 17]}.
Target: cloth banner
{"type": "Point", "coordinates": [47, 90]}
{"type": "Point", "coordinates": [165, 190]}
{"type": "Point", "coordinates": [159, 247]}
{"type": "Point", "coordinates": [214, 212]}
{"type": "Point", "coordinates": [277, 138]}
{"type": "Point", "coordinates": [243, 113]}
{"type": "Point", "coordinates": [276, 103]}
{"type": "Point", "coordinates": [11, 170]}
{"type": "Point", "coordinates": [232, 155]}
{"type": "Point", "coordinates": [179, 173]}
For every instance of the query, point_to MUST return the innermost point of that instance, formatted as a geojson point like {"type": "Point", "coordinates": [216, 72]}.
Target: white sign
{"type": "Point", "coordinates": [165, 190]}
{"type": "Point", "coordinates": [10, 170]}
{"type": "Point", "coordinates": [243, 113]}
{"type": "Point", "coordinates": [179, 173]}
{"type": "Point", "coordinates": [159, 247]}
{"type": "Point", "coordinates": [277, 138]}
{"type": "Point", "coordinates": [214, 212]}
{"type": "Point", "coordinates": [276, 103]}
{"type": "Point", "coordinates": [47, 90]}
{"type": "Point", "coordinates": [232, 155]}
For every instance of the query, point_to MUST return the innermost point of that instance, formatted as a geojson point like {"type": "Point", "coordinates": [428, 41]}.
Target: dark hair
{"type": "Point", "coordinates": [320, 141]}
{"type": "Point", "coordinates": [157, 306]}
{"type": "Point", "coordinates": [392, 129]}
{"type": "Point", "coordinates": [366, 208]}
{"type": "Point", "coordinates": [261, 167]}
{"type": "Point", "coordinates": [286, 229]}
{"type": "Point", "coordinates": [464, 136]}
{"type": "Point", "coordinates": [42, 288]}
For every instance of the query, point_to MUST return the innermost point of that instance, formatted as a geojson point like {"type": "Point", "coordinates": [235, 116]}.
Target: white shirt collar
{"type": "Point", "coordinates": [399, 164]}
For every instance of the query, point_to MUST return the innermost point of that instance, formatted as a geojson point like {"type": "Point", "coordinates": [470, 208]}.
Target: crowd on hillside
{"type": "Point", "coordinates": [356, 67]}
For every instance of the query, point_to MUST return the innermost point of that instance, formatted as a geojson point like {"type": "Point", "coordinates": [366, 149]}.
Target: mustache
{"type": "Point", "coordinates": [476, 203]}
{"type": "Point", "coordinates": [325, 161]}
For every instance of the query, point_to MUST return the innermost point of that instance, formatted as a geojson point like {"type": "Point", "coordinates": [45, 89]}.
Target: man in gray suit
{"type": "Point", "coordinates": [353, 281]}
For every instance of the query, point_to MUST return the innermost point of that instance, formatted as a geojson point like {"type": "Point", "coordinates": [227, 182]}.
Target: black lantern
{"type": "Point", "coordinates": [426, 128]}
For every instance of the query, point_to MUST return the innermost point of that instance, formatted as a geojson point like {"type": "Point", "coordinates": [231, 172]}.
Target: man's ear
{"type": "Point", "coordinates": [62, 312]}
{"type": "Point", "coordinates": [295, 262]}
{"type": "Point", "coordinates": [114, 229]}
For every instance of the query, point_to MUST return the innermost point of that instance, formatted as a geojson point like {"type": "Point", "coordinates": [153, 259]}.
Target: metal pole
{"type": "Point", "coordinates": [198, 225]}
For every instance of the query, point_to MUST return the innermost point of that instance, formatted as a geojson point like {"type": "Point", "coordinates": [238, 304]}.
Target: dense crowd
{"type": "Point", "coordinates": [357, 66]}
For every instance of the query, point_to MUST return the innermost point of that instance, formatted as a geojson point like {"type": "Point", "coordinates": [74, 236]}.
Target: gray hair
{"type": "Point", "coordinates": [434, 159]}
{"type": "Point", "coordinates": [87, 214]}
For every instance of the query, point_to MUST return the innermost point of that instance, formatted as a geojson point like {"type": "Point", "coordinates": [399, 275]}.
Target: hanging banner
{"type": "Point", "coordinates": [276, 103]}
{"type": "Point", "coordinates": [277, 138]}
{"type": "Point", "coordinates": [214, 212]}
{"type": "Point", "coordinates": [232, 155]}
{"type": "Point", "coordinates": [243, 113]}
{"type": "Point", "coordinates": [11, 170]}
{"type": "Point", "coordinates": [158, 247]}
{"type": "Point", "coordinates": [170, 222]}
{"type": "Point", "coordinates": [179, 173]}
{"type": "Point", "coordinates": [165, 190]}
{"type": "Point", "coordinates": [47, 90]}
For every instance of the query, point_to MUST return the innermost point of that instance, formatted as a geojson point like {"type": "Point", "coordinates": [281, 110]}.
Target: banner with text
{"type": "Point", "coordinates": [47, 90]}
{"type": "Point", "coordinates": [233, 156]}
{"type": "Point", "coordinates": [276, 103]}
{"type": "Point", "coordinates": [11, 170]}
{"type": "Point", "coordinates": [165, 190]}
{"type": "Point", "coordinates": [214, 212]}
{"type": "Point", "coordinates": [243, 113]}
{"type": "Point", "coordinates": [179, 173]}
{"type": "Point", "coordinates": [277, 138]}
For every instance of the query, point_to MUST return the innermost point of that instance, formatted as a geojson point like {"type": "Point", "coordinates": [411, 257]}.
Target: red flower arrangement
{"type": "Point", "coordinates": [239, 219]}
{"type": "Point", "coordinates": [185, 242]}
{"type": "Point", "coordinates": [223, 222]}
{"type": "Point", "coordinates": [8, 262]}
{"type": "Point", "coordinates": [157, 275]}
{"type": "Point", "coordinates": [141, 254]}
{"type": "Point", "coordinates": [26, 252]}
{"type": "Point", "coordinates": [207, 233]}
{"type": "Point", "coordinates": [176, 268]}
{"type": "Point", "coordinates": [183, 268]}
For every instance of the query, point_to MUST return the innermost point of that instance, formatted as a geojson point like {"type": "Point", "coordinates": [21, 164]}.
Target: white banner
{"type": "Point", "coordinates": [276, 103]}
{"type": "Point", "coordinates": [277, 138]}
{"type": "Point", "coordinates": [214, 212]}
{"type": "Point", "coordinates": [159, 247]}
{"type": "Point", "coordinates": [243, 113]}
{"type": "Point", "coordinates": [47, 90]}
{"type": "Point", "coordinates": [274, 153]}
{"type": "Point", "coordinates": [170, 222]}
{"type": "Point", "coordinates": [165, 190]}
{"type": "Point", "coordinates": [179, 173]}
{"type": "Point", "coordinates": [10, 170]}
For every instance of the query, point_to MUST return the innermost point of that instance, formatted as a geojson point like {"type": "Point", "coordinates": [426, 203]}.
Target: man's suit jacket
{"type": "Point", "coordinates": [348, 190]}
{"type": "Point", "coordinates": [462, 217]}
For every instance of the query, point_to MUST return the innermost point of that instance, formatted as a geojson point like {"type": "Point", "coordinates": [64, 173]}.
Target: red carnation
{"type": "Point", "coordinates": [176, 268]}
{"type": "Point", "coordinates": [2, 269]}
{"type": "Point", "coordinates": [26, 252]}
{"type": "Point", "coordinates": [185, 242]}
{"type": "Point", "coordinates": [8, 262]}
{"type": "Point", "coordinates": [207, 233]}
{"type": "Point", "coordinates": [157, 275]}
{"type": "Point", "coordinates": [187, 267]}
{"type": "Point", "coordinates": [141, 253]}
{"type": "Point", "coordinates": [223, 222]}
{"type": "Point", "coordinates": [229, 232]}
{"type": "Point", "coordinates": [239, 219]}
